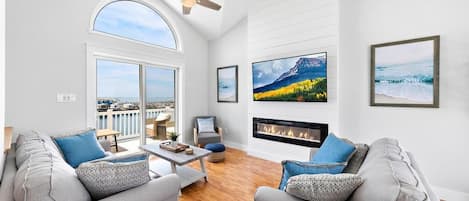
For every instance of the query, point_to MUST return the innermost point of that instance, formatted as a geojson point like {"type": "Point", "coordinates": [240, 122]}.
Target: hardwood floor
{"type": "Point", "coordinates": [235, 179]}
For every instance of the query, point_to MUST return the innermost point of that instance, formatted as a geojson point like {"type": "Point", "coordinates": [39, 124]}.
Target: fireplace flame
{"type": "Point", "coordinates": [287, 131]}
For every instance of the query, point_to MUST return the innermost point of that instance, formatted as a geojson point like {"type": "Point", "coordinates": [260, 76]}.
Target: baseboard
{"type": "Point", "coordinates": [235, 145]}
{"type": "Point", "coordinates": [450, 195]}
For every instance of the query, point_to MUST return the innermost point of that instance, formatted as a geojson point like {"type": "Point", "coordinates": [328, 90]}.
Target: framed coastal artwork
{"type": "Point", "coordinates": [227, 84]}
{"type": "Point", "coordinates": [406, 73]}
{"type": "Point", "coordinates": [296, 79]}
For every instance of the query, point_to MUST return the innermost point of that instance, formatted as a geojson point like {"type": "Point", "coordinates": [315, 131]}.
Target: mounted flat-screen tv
{"type": "Point", "coordinates": [298, 79]}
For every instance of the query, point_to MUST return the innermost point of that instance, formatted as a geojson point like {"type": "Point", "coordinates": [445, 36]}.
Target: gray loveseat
{"type": "Point", "coordinates": [40, 173]}
{"type": "Point", "coordinates": [390, 174]}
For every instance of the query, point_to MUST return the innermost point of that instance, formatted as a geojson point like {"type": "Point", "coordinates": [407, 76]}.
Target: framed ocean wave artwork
{"type": "Point", "coordinates": [405, 73]}
{"type": "Point", "coordinates": [227, 84]}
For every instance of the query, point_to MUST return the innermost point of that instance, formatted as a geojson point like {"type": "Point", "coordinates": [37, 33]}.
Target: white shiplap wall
{"type": "Point", "coordinates": [277, 29]}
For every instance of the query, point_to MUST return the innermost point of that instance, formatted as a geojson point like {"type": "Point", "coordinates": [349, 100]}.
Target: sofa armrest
{"type": "Point", "coordinates": [270, 194]}
{"type": "Point", "coordinates": [165, 188]}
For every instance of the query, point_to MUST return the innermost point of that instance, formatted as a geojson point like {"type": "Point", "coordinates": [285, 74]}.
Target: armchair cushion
{"type": "Point", "coordinates": [207, 138]}
{"type": "Point", "coordinates": [206, 124]}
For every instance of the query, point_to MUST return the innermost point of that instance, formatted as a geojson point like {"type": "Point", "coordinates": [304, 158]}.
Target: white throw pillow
{"type": "Point", "coordinates": [206, 125]}
{"type": "Point", "coordinates": [323, 187]}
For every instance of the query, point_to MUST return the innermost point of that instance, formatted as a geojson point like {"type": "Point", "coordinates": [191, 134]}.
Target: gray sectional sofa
{"type": "Point", "coordinates": [389, 173]}
{"type": "Point", "coordinates": [35, 170]}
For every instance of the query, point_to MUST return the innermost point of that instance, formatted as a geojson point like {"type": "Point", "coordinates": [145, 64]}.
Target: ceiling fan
{"type": "Point", "coordinates": [188, 4]}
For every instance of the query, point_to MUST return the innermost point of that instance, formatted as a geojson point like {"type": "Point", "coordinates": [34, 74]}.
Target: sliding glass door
{"type": "Point", "coordinates": [160, 101]}
{"type": "Point", "coordinates": [136, 100]}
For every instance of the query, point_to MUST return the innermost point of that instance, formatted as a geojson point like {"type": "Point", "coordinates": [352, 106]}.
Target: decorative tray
{"type": "Point", "coordinates": [179, 147]}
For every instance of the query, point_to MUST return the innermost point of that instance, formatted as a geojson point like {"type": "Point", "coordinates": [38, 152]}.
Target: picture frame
{"type": "Point", "coordinates": [405, 73]}
{"type": "Point", "coordinates": [227, 84]}
{"type": "Point", "coordinates": [300, 78]}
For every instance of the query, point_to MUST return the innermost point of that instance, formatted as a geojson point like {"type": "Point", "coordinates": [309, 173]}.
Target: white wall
{"type": "Point", "coordinates": [279, 29]}
{"type": "Point", "coordinates": [46, 54]}
{"type": "Point", "coordinates": [231, 49]}
{"type": "Point", "coordinates": [2, 82]}
{"type": "Point", "coordinates": [438, 137]}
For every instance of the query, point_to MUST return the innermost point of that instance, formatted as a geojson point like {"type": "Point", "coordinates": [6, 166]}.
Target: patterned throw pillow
{"type": "Point", "coordinates": [293, 168]}
{"type": "Point", "coordinates": [105, 178]}
{"type": "Point", "coordinates": [323, 187]}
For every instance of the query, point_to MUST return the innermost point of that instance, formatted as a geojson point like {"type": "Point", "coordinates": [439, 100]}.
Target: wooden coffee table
{"type": "Point", "coordinates": [108, 132]}
{"type": "Point", "coordinates": [174, 163]}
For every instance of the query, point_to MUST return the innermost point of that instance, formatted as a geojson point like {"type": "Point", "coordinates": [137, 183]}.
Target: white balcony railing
{"type": "Point", "coordinates": [127, 122]}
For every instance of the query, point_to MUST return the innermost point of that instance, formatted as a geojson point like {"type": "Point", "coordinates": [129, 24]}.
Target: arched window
{"type": "Point", "coordinates": [132, 20]}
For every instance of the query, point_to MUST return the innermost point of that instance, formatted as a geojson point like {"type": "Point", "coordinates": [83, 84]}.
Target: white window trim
{"type": "Point", "coordinates": [131, 55]}
{"type": "Point", "coordinates": [157, 8]}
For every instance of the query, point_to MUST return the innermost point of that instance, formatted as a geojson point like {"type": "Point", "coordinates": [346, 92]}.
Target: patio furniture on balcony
{"type": "Point", "coordinates": [108, 132]}
{"type": "Point", "coordinates": [157, 127]}
{"type": "Point", "coordinates": [127, 122]}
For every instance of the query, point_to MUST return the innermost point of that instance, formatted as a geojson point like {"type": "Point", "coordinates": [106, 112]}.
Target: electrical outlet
{"type": "Point", "coordinates": [66, 98]}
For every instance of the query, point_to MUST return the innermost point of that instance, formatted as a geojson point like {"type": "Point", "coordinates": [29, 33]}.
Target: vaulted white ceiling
{"type": "Point", "coordinates": [211, 23]}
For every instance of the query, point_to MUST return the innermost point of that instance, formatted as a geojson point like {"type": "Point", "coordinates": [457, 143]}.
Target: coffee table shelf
{"type": "Point", "coordinates": [187, 175]}
{"type": "Point", "coordinates": [171, 162]}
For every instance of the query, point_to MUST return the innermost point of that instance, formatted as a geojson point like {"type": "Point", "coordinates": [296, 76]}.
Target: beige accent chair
{"type": "Point", "coordinates": [203, 138]}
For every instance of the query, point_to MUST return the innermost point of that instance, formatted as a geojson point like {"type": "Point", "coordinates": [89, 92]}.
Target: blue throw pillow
{"type": "Point", "coordinates": [80, 148]}
{"type": "Point", "coordinates": [293, 168]}
{"type": "Point", "coordinates": [333, 150]}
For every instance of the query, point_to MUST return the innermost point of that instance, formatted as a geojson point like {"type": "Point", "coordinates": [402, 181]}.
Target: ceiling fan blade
{"type": "Point", "coordinates": [186, 10]}
{"type": "Point", "coordinates": [209, 4]}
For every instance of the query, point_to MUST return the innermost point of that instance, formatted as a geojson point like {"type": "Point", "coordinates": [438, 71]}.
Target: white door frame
{"type": "Point", "coordinates": [174, 61]}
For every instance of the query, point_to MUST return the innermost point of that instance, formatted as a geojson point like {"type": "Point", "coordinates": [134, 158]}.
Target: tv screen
{"type": "Point", "coordinates": [299, 79]}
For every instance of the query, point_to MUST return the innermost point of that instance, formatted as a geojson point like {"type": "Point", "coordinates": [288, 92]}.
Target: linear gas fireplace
{"type": "Point", "coordinates": [293, 132]}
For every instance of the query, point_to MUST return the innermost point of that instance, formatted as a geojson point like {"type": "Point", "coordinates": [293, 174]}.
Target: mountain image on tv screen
{"type": "Point", "coordinates": [301, 79]}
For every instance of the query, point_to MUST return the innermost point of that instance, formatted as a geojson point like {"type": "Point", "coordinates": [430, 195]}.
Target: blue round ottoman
{"type": "Point", "coordinates": [218, 152]}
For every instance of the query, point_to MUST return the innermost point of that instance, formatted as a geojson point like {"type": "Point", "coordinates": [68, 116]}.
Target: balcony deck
{"type": "Point", "coordinates": [130, 145]}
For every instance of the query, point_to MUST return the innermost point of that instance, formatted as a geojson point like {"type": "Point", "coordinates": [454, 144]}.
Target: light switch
{"type": "Point", "coordinates": [66, 98]}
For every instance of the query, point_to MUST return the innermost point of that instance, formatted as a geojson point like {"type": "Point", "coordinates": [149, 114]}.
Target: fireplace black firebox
{"type": "Point", "coordinates": [293, 132]}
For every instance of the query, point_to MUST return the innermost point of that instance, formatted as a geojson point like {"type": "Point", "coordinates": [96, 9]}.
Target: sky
{"type": "Point", "coordinates": [268, 71]}
{"type": "Point", "coordinates": [135, 21]}
{"type": "Point", "coordinates": [116, 79]}
{"type": "Point", "coordinates": [406, 53]}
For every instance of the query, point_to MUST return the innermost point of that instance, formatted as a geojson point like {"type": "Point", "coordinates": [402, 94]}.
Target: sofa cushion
{"type": "Point", "coordinates": [27, 144]}
{"type": "Point", "coordinates": [386, 169]}
{"type": "Point", "coordinates": [105, 178]}
{"type": "Point", "coordinates": [293, 168]}
{"type": "Point", "coordinates": [80, 148]}
{"type": "Point", "coordinates": [334, 150]}
{"type": "Point", "coordinates": [44, 175]}
{"type": "Point", "coordinates": [357, 159]}
{"type": "Point", "coordinates": [323, 187]}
